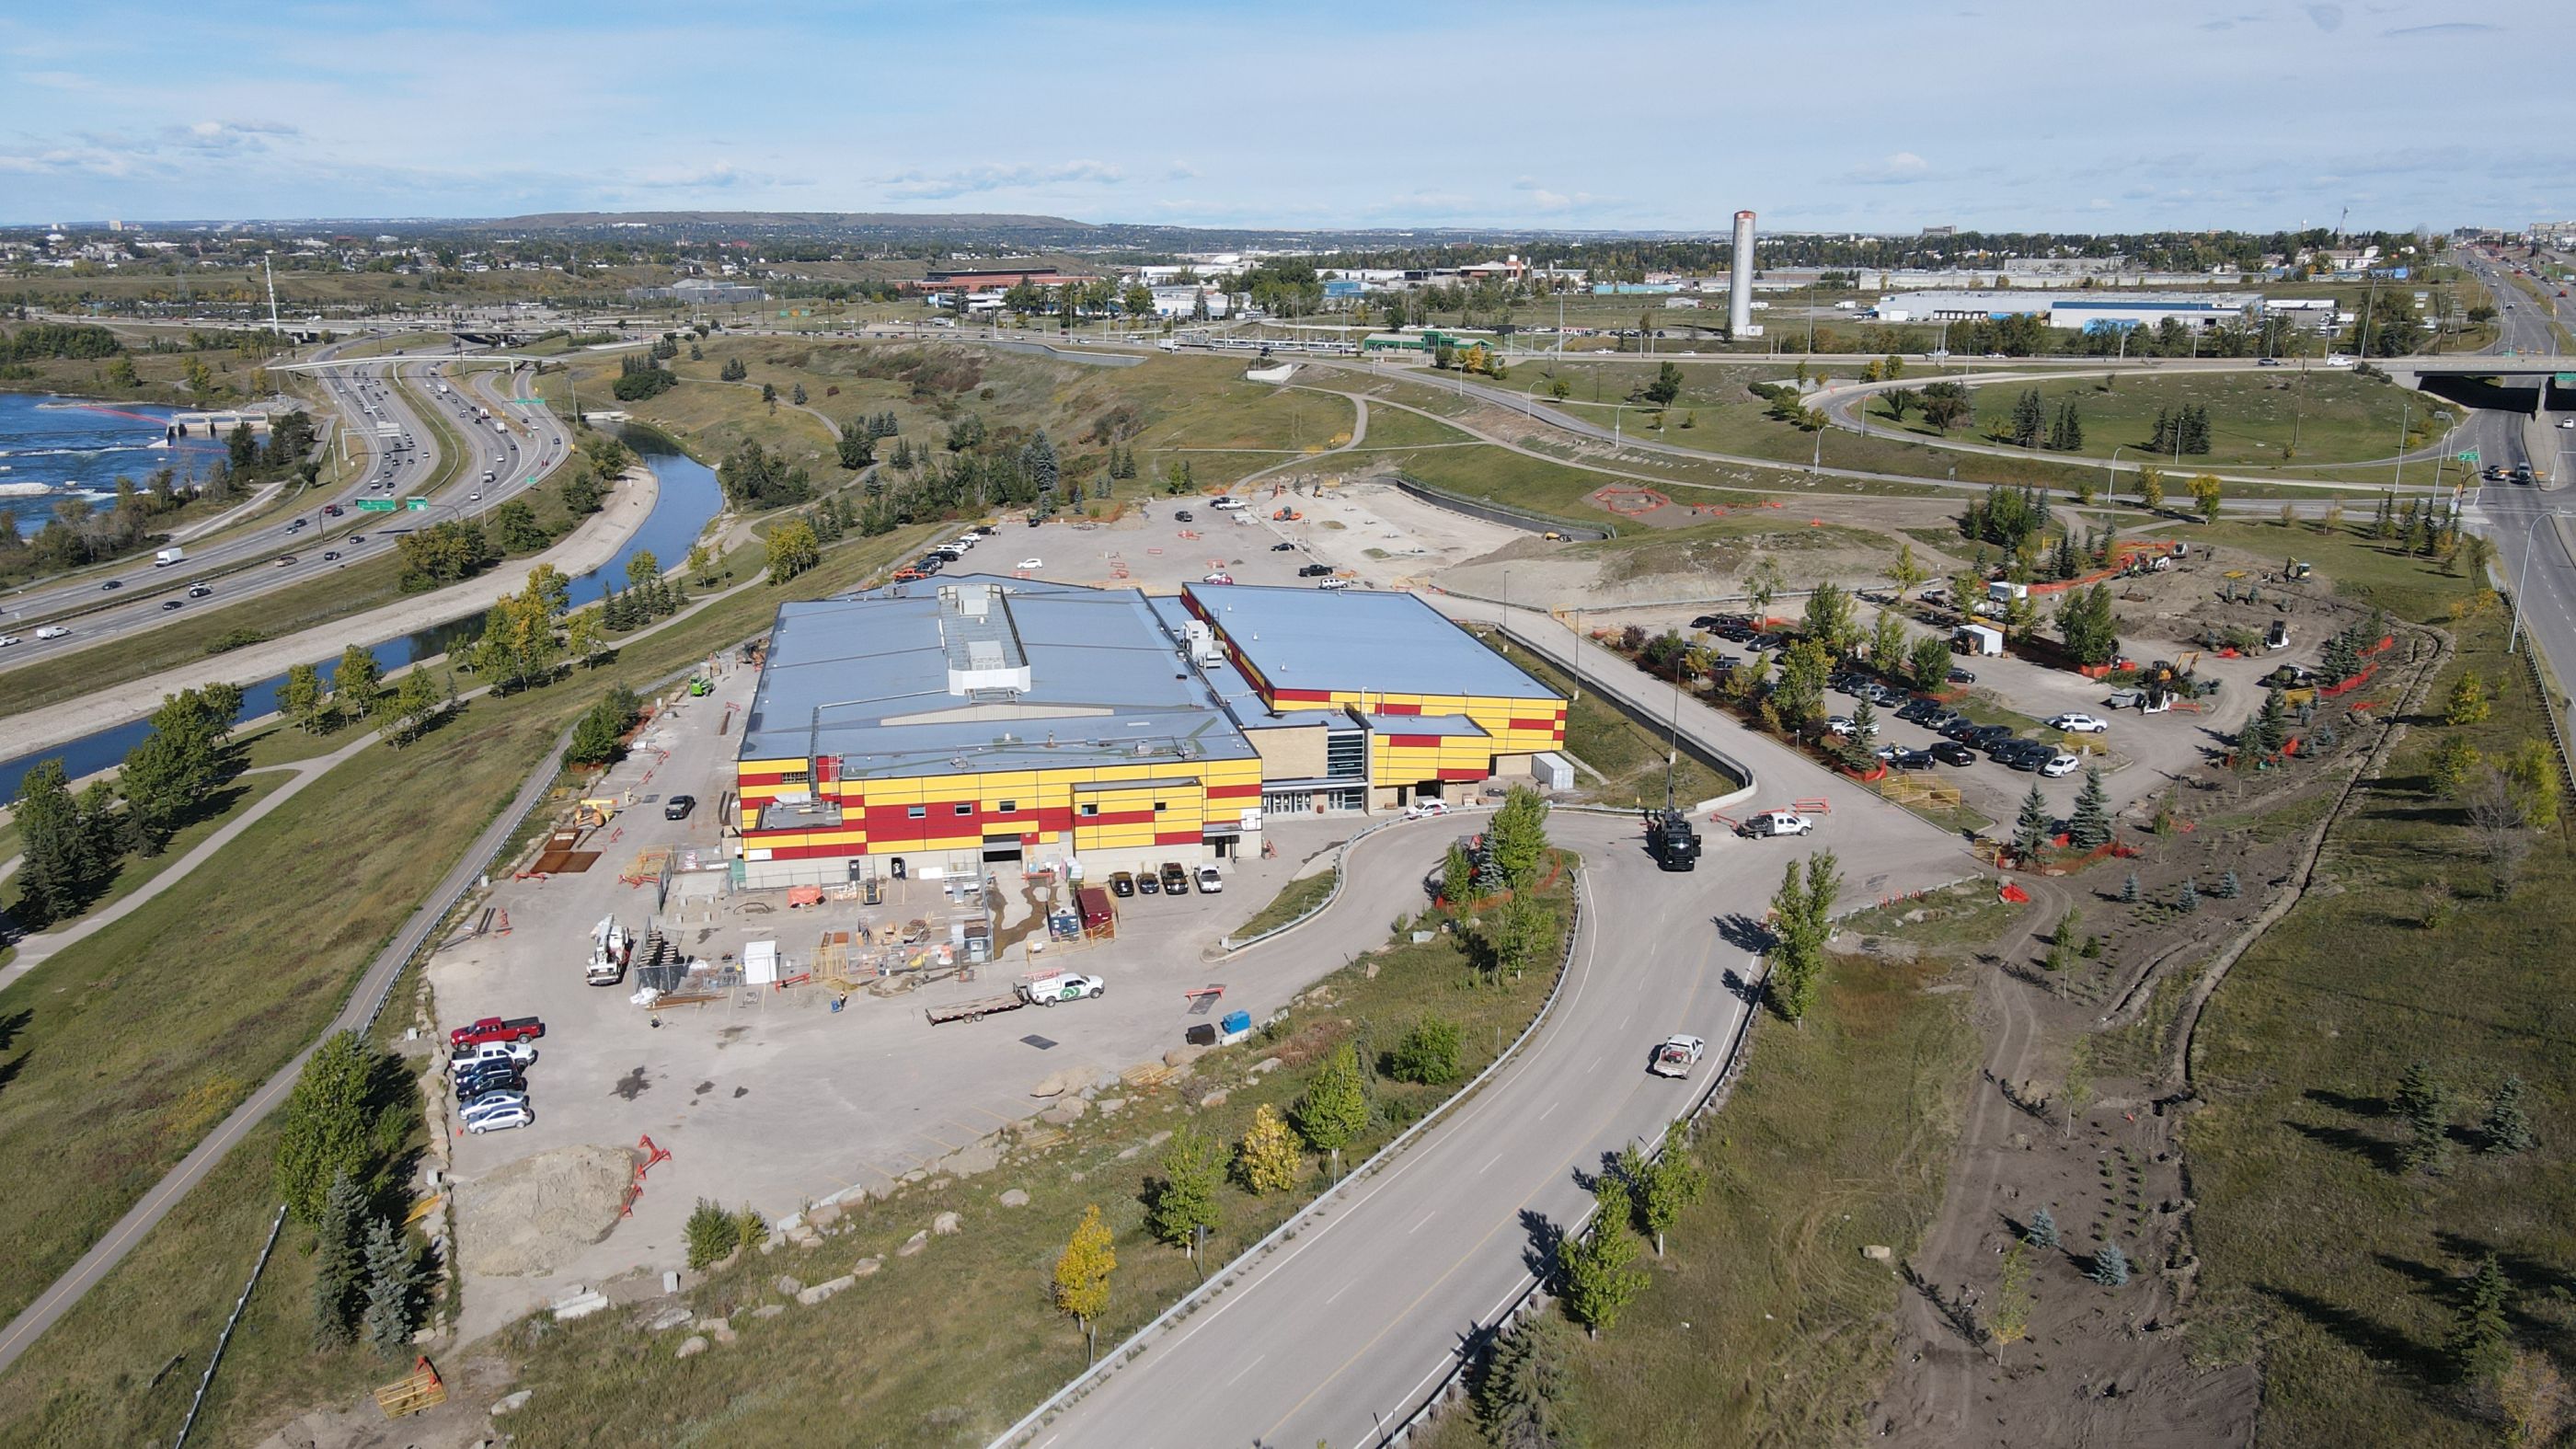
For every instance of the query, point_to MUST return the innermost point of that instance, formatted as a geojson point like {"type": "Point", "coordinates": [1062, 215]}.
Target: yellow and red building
{"type": "Point", "coordinates": [986, 720]}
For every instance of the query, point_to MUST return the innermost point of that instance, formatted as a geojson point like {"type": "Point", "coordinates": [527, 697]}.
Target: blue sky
{"type": "Point", "coordinates": [2066, 114]}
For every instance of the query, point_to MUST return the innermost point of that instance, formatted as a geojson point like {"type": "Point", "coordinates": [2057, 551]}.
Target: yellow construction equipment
{"type": "Point", "coordinates": [595, 812]}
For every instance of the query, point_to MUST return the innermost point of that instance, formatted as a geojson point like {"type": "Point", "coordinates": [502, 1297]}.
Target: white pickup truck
{"type": "Point", "coordinates": [1677, 1056]}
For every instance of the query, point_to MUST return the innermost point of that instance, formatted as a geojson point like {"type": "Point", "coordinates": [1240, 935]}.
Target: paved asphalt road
{"type": "Point", "coordinates": [2534, 526]}
{"type": "Point", "coordinates": [1352, 1323]}
{"type": "Point", "coordinates": [240, 566]}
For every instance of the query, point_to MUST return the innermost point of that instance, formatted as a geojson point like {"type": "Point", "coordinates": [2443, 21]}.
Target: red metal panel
{"type": "Point", "coordinates": [1461, 775]}
{"type": "Point", "coordinates": [1551, 722]}
{"type": "Point", "coordinates": [1416, 742]}
{"type": "Point", "coordinates": [1177, 837]}
{"type": "Point", "coordinates": [1303, 696]}
{"type": "Point", "coordinates": [1391, 707]}
{"type": "Point", "coordinates": [1234, 792]}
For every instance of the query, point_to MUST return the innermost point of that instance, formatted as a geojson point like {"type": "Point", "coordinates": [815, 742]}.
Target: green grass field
{"type": "Point", "coordinates": [1629, 756]}
{"type": "Point", "coordinates": [121, 1066]}
{"type": "Point", "coordinates": [2322, 1257]}
{"type": "Point", "coordinates": [2285, 415]}
{"type": "Point", "coordinates": [1295, 899]}
{"type": "Point", "coordinates": [1839, 1135]}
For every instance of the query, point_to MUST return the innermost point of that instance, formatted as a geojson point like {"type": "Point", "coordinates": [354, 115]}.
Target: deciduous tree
{"type": "Point", "coordinates": [1182, 1202]}
{"type": "Point", "coordinates": [1596, 1271]}
{"type": "Point", "coordinates": [1334, 1109]}
{"type": "Point", "coordinates": [1267, 1160]}
{"type": "Point", "coordinates": [1082, 1276]}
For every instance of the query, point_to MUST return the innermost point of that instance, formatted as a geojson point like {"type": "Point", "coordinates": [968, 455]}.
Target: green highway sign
{"type": "Point", "coordinates": [416, 505]}
{"type": "Point", "coordinates": [375, 505]}
{"type": "Point", "coordinates": [2470, 456]}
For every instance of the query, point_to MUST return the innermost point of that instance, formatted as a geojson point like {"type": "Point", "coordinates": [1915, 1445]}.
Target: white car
{"type": "Point", "coordinates": [2567, 422]}
{"type": "Point", "coordinates": [1211, 880]}
{"type": "Point", "coordinates": [1842, 726]}
{"type": "Point", "coordinates": [501, 1121]}
{"type": "Point", "coordinates": [1218, 578]}
{"type": "Point", "coordinates": [7, 639]}
{"type": "Point", "coordinates": [1676, 1056]}
{"type": "Point", "coordinates": [2060, 765]}
{"type": "Point", "coordinates": [1033, 563]}
{"type": "Point", "coordinates": [1776, 822]}
{"type": "Point", "coordinates": [2337, 359]}
{"type": "Point", "coordinates": [1227, 504]}
{"type": "Point", "coordinates": [517, 1053]}
{"type": "Point", "coordinates": [1330, 585]}
{"type": "Point", "coordinates": [53, 631]}
{"type": "Point", "coordinates": [2078, 724]}
{"type": "Point", "coordinates": [1425, 809]}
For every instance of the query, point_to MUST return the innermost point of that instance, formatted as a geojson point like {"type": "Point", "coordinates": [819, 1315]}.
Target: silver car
{"type": "Point", "coordinates": [500, 1120]}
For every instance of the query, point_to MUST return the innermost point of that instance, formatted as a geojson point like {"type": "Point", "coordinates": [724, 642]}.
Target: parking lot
{"type": "Point", "coordinates": [769, 1096]}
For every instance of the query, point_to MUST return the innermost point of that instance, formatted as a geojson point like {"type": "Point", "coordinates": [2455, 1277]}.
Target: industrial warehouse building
{"type": "Point", "coordinates": [2075, 311]}
{"type": "Point", "coordinates": [992, 721]}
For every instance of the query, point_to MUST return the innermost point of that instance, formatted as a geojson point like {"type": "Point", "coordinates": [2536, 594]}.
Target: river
{"type": "Point", "coordinates": [57, 448]}
{"type": "Point", "coordinates": [689, 498]}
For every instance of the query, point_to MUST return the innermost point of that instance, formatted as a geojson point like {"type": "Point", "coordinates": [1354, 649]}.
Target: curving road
{"type": "Point", "coordinates": [1339, 1333]}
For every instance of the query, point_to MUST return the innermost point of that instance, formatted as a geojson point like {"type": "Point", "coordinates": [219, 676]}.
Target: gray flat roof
{"type": "Point", "coordinates": [1422, 724]}
{"type": "Point", "coordinates": [1354, 639]}
{"type": "Point", "coordinates": [867, 677]}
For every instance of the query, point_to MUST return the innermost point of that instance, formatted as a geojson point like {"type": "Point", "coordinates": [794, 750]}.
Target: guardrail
{"type": "Point", "coordinates": [1708, 754]}
{"type": "Point", "coordinates": [1502, 513]}
{"type": "Point", "coordinates": [1299, 1220]}
{"type": "Point", "coordinates": [206, 1380]}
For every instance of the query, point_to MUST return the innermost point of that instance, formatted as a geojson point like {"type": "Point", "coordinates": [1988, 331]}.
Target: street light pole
{"type": "Point", "coordinates": [2521, 577]}
{"type": "Point", "coordinates": [2111, 475]}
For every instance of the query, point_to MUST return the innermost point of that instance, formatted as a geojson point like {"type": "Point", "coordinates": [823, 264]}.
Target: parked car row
{"type": "Point", "coordinates": [1174, 879]}
{"type": "Point", "coordinates": [488, 1071]}
{"type": "Point", "coordinates": [1962, 739]}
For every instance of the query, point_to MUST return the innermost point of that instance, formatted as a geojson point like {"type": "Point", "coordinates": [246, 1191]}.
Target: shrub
{"type": "Point", "coordinates": [710, 1234]}
{"type": "Point", "coordinates": [1428, 1054]}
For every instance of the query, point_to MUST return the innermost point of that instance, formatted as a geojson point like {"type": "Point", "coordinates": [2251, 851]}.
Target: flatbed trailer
{"type": "Point", "coordinates": [975, 1010]}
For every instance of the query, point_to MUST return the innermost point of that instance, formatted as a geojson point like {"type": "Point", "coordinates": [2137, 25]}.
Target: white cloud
{"type": "Point", "coordinates": [1894, 169]}
{"type": "Point", "coordinates": [927, 186]}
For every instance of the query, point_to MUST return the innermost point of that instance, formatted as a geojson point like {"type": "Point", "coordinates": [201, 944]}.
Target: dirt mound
{"type": "Point", "coordinates": [526, 1217]}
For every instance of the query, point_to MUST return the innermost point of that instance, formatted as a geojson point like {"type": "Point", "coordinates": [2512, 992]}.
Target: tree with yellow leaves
{"type": "Point", "coordinates": [1082, 1275]}
{"type": "Point", "coordinates": [1268, 1160]}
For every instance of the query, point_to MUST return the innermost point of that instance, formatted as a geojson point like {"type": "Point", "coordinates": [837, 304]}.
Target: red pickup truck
{"type": "Point", "coordinates": [493, 1028]}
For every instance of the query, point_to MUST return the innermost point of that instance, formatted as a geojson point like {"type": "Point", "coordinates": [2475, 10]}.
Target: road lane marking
{"type": "Point", "coordinates": [1551, 1111]}
{"type": "Point", "coordinates": [1488, 1167]}
{"type": "Point", "coordinates": [1426, 1222]}
{"type": "Point", "coordinates": [1337, 1293]}
{"type": "Point", "coordinates": [1247, 1368]}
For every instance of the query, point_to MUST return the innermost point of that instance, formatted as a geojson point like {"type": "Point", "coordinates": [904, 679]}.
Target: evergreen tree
{"type": "Point", "coordinates": [857, 447]}
{"type": "Point", "coordinates": [2110, 1266]}
{"type": "Point", "coordinates": [2074, 427]}
{"type": "Point", "coordinates": [339, 1263]}
{"type": "Point", "coordinates": [2090, 827]}
{"type": "Point", "coordinates": [1038, 461]}
{"type": "Point", "coordinates": [2129, 892]}
{"type": "Point", "coordinates": [2507, 1128]}
{"type": "Point", "coordinates": [2030, 828]}
{"type": "Point", "coordinates": [1521, 1397]}
{"type": "Point", "coordinates": [2187, 899]}
{"type": "Point", "coordinates": [2042, 1232]}
{"type": "Point", "coordinates": [2229, 887]}
{"type": "Point", "coordinates": [329, 1127]}
{"type": "Point", "coordinates": [391, 1282]}
{"type": "Point", "coordinates": [2477, 1345]}
{"type": "Point", "coordinates": [2425, 1102]}
{"type": "Point", "coordinates": [2029, 417]}
{"type": "Point", "coordinates": [58, 864]}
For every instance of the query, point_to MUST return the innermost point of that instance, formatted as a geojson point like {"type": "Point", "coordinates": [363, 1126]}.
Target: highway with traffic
{"type": "Point", "coordinates": [1338, 1334]}
{"type": "Point", "coordinates": [2533, 524]}
{"type": "Point", "coordinates": [508, 448]}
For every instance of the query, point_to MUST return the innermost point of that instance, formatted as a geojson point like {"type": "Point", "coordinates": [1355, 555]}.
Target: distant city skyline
{"type": "Point", "coordinates": [1999, 115]}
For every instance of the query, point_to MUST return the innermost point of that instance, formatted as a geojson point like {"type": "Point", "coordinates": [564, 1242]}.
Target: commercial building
{"type": "Point", "coordinates": [698, 291]}
{"type": "Point", "coordinates": [985, 721]}
{"type": "Point", "coordinates": [2075, 311]}
{"type": "Point", "coordinates": [1363, 700]}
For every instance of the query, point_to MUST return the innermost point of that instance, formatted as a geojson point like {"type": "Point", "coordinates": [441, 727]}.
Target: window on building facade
{"type": "Point", "coordinates": [916, 812]}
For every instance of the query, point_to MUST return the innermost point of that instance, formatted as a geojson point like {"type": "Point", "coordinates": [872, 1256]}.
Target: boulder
{"type": "Point", "coordinates": [1159, 1138]}
{"type": "Point", "coordinates": [1108, 1105]}
{"type": "Point", "coordinates": [723, 1333]}
{"type": "Point", "coordinates": [1016, 1197]}
{"type": "Point", "coordinates": [788, 1287]}
{"type": "Point", "coordinates": [912, 1245]}
{"type": "Point", "coordinates": [712, 1323]}
{"type": "Point", "coordinates": [1128, 1154]}
{"type": "Point", "coordinates": [670, 1318]}
{"type": "Point", "coordinates": [1214, 1099]}
{"type": "Point", "coordinates": [824, 1216]}
{"type": "Point", "coordinates": [511, 1402]}
{"type": "Point", "coordinates": [825, 1289]}
{"type": "Point", "coordinates": [1878, 1252]}
{"type": "Point", "coordinates": [1267, 1064]}
{"type": "Point", "coordinates": [944, 1224]}
{"type": "Point", "coordinates": [691, 1347]}
{"type": "Point", "coordinates": [769, 1310]}
{"type": "Point", "coordinates": [1182, 1056]}
{"type": "Point", "coordinates": [580, 1304]}
{"type": "Point", "coordinates": [1065, 1112]}
{"type": "Point", "coordinates": [866, 1267]}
